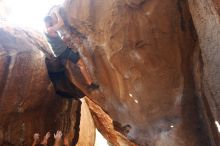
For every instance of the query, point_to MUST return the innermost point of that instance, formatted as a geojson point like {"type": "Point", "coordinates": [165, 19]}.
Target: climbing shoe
{"type": "Point", "coordinates": [92, 86]}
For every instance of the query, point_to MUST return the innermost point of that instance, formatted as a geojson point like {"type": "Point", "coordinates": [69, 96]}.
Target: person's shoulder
{"type": "Point", "coordinates": [50, 32]}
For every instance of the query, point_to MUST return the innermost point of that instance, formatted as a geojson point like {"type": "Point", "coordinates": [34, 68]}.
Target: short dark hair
{"type": "Point", "coordinates": [48, 20]}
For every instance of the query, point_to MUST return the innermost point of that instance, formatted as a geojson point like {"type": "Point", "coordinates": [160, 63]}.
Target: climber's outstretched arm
{"type": "Point", "coordinates": [55, 27]}
{"type": "Point", "coordinates": [58, 138]}
{"type": "Point", "coordinates": [45, 140]}
{"type": "Point", "coordinates": [36, 139]}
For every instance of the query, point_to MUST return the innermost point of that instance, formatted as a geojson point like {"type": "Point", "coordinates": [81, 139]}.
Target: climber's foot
{"type": "Point", "coordinates": [92, 87]}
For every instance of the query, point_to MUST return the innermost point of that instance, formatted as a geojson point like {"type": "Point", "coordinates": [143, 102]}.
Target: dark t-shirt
{"type": "Point", "coordinates": [57, 44]}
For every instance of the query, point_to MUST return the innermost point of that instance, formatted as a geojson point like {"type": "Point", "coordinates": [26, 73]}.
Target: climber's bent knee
{"type": "Point", "coordinates": [74, 56]}
{"type": "Point", "coordinates": [69, 54]}
{"type": "Point", "coordinates": [80, 63]}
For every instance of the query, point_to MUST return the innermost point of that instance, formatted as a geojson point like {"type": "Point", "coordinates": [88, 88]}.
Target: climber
{"type": "Point", "coordinates": [61, 50]}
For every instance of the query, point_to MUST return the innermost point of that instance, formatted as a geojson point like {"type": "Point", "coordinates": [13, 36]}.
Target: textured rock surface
{"type": "Point", "coordinates": [139, 51]}
{"type": "Point", "coordinates": [206, 17]}
{"type": "Point", "coordinates": [142, 53]}
{"type": "Point", "coordinates": [28, 103]}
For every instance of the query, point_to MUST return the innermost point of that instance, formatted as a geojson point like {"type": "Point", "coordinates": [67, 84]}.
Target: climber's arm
{"type": "Point", "coordinates": [58, 138]}
{"type": "Point", "coordinates": [36, 139]}
{"type": "Point", "coordinates": [34, 143]}
{"type": "Point", "coordinates": [53, 29]}
{"type": "Point", "coordinates": [45, 140]}
{"type": "Point", "coordinates": [66, 38]}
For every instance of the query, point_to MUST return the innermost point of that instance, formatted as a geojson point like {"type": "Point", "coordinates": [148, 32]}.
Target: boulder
{"type": "Point", "coordinates": [140, 53]}
{"type": "Point", "coordinates": [28, 102]}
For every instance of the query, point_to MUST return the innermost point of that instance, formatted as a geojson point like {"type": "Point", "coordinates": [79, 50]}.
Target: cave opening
{"type": "Point", "coordinates": [26, 13]}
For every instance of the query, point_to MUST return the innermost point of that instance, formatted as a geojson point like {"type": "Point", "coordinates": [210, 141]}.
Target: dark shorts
{"type": "Point", "coordinates": [57, 74]}
{"type": "Point", "coordinates": [69, 54]}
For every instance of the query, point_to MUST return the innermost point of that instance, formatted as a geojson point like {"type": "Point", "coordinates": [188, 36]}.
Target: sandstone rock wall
{"type": "Point", "coordinates": [158, 77]}
{"type": "Point", "coordinates": [206, 18]}
{"type": "Point", "coordinates": [140, 53]}
{"type": "Point", "coordinates": [28, 103]}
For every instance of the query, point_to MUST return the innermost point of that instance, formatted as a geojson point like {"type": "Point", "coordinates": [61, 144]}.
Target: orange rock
{"type": "Point", "coordinates": [139, 52]}
{"type": "Point", "coordinates": [28, 103]}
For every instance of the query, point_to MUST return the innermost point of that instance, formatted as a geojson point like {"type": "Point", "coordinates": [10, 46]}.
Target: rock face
{"type": "Point", "coordinates": [206, 17]}
{"type": "Point", "coordinates": [140, 53]}
{"type": "Point", "coordinates": [28, 103]}
{"type": "Point", "coordinates": [158, 75]}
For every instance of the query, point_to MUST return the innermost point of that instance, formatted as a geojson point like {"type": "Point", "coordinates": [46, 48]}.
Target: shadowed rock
{"type": "Point", "coordinates": [28, 103]}
{"type": "Point", "coordinates": [206, 17]}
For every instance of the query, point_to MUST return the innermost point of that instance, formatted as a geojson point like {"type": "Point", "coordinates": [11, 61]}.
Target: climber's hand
{"type": "Point", "coordinates": [36, 137]}
{"type": "Point", "coordinates": [58, 135]}
{"type": "Point", "coordinates": [58, 22]}
{"type": "Point", "coordinates": [47, 136]}
{"type": "Point", "coordinates": [57, 13]}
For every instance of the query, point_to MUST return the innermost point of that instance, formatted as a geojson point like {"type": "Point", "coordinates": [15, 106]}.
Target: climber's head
{"type": "Point", "coordinates": [48, 20]}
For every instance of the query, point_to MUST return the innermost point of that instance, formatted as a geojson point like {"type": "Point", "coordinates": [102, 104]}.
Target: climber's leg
{"type": "Point", "coordinates": [75, 58]}
{"type": "Point", "coordinates": [84, 71]}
